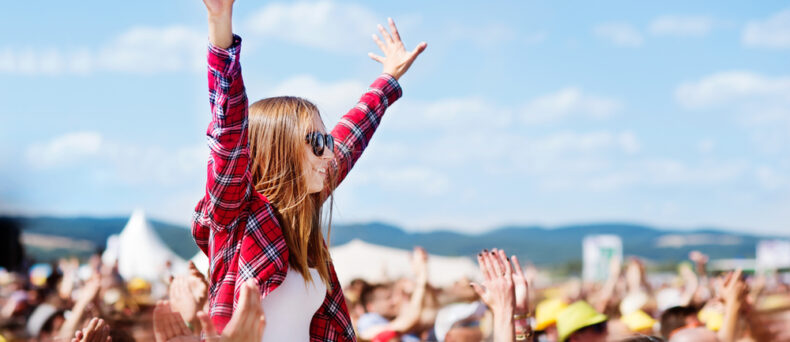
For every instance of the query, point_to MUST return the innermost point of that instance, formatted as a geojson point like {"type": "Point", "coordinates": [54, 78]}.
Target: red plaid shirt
{"type": "Point", "coordinates": [235, 226]}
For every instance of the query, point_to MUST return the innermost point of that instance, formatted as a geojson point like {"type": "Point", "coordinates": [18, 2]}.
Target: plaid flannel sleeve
{"type": "Point", "coordinates": [355, 129]}
{"type": "Point", "coordinates": [228, 182]}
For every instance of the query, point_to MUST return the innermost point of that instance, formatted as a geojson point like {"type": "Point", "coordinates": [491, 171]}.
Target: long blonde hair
{"type": "Point", "coordinates": [277, 130]}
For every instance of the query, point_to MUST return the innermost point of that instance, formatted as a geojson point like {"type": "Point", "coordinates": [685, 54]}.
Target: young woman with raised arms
{"type": "Point", "coordinates": [272, 166]}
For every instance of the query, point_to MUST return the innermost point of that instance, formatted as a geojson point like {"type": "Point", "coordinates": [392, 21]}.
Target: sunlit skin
{"type": "Point", "coordinates": [315, 168]}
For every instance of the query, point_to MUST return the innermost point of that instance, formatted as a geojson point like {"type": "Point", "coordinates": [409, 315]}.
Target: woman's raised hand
{"type": "Point", "coordinates": [220, 28]}
{"type": "Point", "coordinates": [396, 60]}
{"type": "Point", "coordinates": [219, 7]}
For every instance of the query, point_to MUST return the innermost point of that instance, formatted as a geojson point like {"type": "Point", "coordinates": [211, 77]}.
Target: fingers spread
{"type": "Point", "coordinates": [385, 34]}
{"type": "Point", "coordinates": [376, 57]}
{"type": "Point", "coordinates": [379, 42]}
{"type": "Point", "coordinates": [395, 34]}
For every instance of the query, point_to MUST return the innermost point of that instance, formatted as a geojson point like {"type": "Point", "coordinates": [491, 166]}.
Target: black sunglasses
{"type": "Point", "coordinates": [318, 141]}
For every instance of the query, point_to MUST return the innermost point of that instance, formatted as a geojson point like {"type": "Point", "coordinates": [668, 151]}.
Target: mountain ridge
{"type": "Point", "coordinates": [540, 245]}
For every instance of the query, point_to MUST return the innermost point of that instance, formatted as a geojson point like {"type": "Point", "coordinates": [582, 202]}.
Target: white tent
{"type": "Point", "coordinates": [201, 262]}
{"type": "Point", "coordinates": [140, 252]}
{"type": "Point", "coordinates": [374, 263]}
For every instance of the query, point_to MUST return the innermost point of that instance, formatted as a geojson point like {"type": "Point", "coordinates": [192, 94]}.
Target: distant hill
{"type": "Point", "coordinates": [540, 245]}
{"type": "Point", "coordinates": [547, 246]}
{"type": "Point", "coordinates": [97, 230]}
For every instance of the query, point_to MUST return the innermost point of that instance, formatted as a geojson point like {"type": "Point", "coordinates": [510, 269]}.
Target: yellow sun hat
{"type": "Point", "coordinates": [138, 284]}
{"type": "Point", "coordinates": [576, 316]}
{"type": "Point", "coordinates": [547, 311]}
{"type": "Point", "coordinates": [638, 320]}
{"type": "Point", "coordinates": [713, 319]}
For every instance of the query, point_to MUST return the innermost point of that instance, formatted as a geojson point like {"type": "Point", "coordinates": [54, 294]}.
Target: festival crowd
{"type": "Point", "coordinates": [92, 302]}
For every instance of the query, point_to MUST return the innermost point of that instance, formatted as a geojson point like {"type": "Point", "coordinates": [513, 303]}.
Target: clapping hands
{"type": "Point", "coordinates": [96, 331]}
{"type": "Point", "coordinates": [188, 293]}
{"type": "Point", "coordinates": [246, 324]}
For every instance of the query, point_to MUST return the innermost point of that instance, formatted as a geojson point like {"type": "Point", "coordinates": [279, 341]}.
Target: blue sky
{"type": "Point", "coordinates": [673, 114]}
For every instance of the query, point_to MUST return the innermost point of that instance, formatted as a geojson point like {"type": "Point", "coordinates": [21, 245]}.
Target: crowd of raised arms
{"type": "Point", "coordinates": [694, 305]}
{"type": "Point", "coordinates": [273, 165]}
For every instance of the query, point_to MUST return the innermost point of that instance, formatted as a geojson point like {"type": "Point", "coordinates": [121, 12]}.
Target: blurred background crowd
{"type": "Point", "coordinates": [89, 300]}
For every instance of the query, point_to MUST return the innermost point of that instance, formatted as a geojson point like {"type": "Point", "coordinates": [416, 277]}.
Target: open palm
{"type": "Point", "coordinates": [397, 60]}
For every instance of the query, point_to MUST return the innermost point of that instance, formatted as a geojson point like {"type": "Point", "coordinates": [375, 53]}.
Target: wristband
{"type": "Point", "coordinates": [523, 336]}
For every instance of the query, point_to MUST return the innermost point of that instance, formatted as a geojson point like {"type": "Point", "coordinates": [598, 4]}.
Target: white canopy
{"type": "Point", "coordinates": [374, 263]}
{"type": "Point", "coordinates": [200, 260]}
{"type": "Point", "coordinates": [140, 252]}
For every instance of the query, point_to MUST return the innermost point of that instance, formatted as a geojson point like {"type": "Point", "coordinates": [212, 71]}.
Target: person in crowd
{"type": "Point", "coordinates": [383, 315]}
{"type": "Point", "coordinates": [271, 168]}
{"type": "Point", "coordinates": [505, 291]}
{"type": "Point", "coordinates": [694, 335]}
{"type": "Point", "coordinates": [678, 318]}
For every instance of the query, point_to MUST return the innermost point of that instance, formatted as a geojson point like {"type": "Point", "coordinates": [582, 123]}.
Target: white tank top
{"type": "Point", "coordinates": [291, 306]}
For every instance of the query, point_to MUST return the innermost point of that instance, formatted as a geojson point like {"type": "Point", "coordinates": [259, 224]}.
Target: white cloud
{"type": "Point", "coordinates": [486, 35]}
{"type": "Point", "coordinates": [566, 102]}
{"type": "Point", "coordinates": [117, 162]}
{"type": "Point", "coordinates": [729, 87]}
{"type": "Point", "coordinates": [65, 149]}
{"type": "Point", "coordinates": [154, 49]}
{"type": "Point", "coordinates": [407, 179]}
{"type": "Point", "coordinates": [535, 38]}
{"type": "Point", "coordinates": [50, 61]}
{"type": "Point", "coordinates": [449, 114]}
{"type": "Point", "coordinates": [681, 25]}
{"type": "Point", "coordinates": [706, 146]}
{"type": "Point", "coordinates": [134, 164]}
{"type": "Point", "coordinates": [572, 142]}
{"type": "Point", "coordinates": [321, 24]}
{"type": "Point", "coordinates": [650, 172]}
{"type": "Point", "coordinates": [770, 179]}
{"type": "Point", "coordinates": [333, 99]}
{"type": "Point", "coordinates": [773, 32]}
{"type": "Point", "coordinates": [758, 103]}
{"type": "Point", "coordinates": [137, 50]}
{"type": "Point", "coordinates": [620, 34]}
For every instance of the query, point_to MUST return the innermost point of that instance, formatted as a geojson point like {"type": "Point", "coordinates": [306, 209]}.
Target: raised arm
{"type": "Point", "coordinates": [228, 181]}
{"type": "Point", "coordinates": [354, 131]}
{"type": "Point", "coordinates": [220, 27]}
